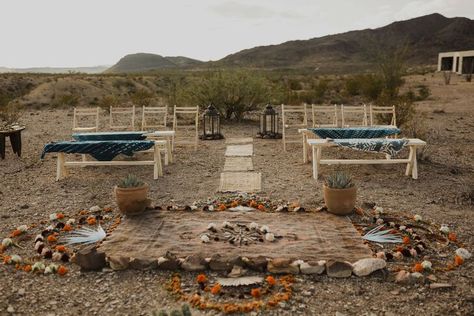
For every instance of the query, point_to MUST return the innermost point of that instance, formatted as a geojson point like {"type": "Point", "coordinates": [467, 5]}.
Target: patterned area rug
{"type": "Point", "coordinates": [249, 182]}
{"type": "Point", "coordinates": [238, 164]}
{"type": "Point", "coordinates": [239, 150]}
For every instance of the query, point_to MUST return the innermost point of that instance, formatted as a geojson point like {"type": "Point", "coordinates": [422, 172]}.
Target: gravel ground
{"type": "Point", "coordinates": [28, 194]}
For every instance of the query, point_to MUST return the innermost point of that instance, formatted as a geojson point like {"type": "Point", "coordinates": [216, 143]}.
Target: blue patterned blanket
{"type": "Point", "coordinates": [354, 132]}
{"type": "Point", "coordinates": [100, 150]}
{"type": "Point", "coordinates": [387, 146]}
{"type": "Point", "coordinates": [109, 136]}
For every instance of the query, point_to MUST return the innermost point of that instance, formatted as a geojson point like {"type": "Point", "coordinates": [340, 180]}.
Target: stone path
{"type": "Point", "coordinates": [238, 175]}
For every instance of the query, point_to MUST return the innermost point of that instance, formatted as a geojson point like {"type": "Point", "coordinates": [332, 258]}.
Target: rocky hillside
{"type": "Point", "coordinates": [424, 36]}
{"type": "Point", "coordinates": [142, 62]}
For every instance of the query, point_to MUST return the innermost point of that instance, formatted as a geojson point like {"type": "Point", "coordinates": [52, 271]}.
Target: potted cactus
{"type": "Point", "coordinates": [339, 193]}
{"type": "Point", "coordinates": [132, 195]}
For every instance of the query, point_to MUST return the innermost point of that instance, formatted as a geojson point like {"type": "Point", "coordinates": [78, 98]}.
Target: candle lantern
{"type": "Point", "coordinates": [269, 123]}
{"type": "Point", "coordinates": [211, 127]}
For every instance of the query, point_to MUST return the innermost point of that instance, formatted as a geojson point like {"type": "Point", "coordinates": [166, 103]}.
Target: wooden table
{"type": "Point", "coordinates": [15, 140]}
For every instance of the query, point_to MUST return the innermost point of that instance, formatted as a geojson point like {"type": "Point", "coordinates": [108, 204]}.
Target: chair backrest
{"type": "Point", "coordinates": [328, 113]}
{"type": "Point", "coordinates": [116, 113]}
{"type": "Point", "coordinates": [291, 113]}
{"type": "Point", "coordinates": [157, 115]}
{"type": "Point", "coordinates": [360, 112]}
{"type": "Point", "coordinates": [185, 111]}
{"type": "Point", "coordinates": [382, 110]}
{"type": "Point", "coordinates": [189, 133]}
{"type": "Point", "coordinates": [91, 113]}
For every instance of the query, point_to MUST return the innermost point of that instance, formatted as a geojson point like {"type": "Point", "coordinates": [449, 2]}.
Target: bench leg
{"type": "Point", "coordinates": [157, 167]}
{"type": "Point", "coordinates": [410, 162]}
{"type": "Point", "coordinates": [2, 146]}
{"type": "Point", "coordinates": [169, 147]}
{"type": "Point", "coordinates": [166, 154]}
{"type": "Point", "coordinates": [305, 154]}
{"type": "Point", "coordinates": [61, 170]}
{"type": "Point", "coordinates": [414, 173]}
{"type": "Point", "coordinates": [316, 159]}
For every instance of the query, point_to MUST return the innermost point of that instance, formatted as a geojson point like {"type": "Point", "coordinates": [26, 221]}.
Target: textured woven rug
{"type": "Point", "coordinates": [239, 150]}
{"type": "Point", "coordinates": [304, 236]}
{"type": "Point", "coordinates": [236, 141]}
{"type": "Point", "coordinates": [238, 164]}
{"type": "Point", "coordinates": [241, 182]}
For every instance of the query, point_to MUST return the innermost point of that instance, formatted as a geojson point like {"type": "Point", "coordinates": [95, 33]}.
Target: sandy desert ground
{"type": "Point", "coordinates": [443, 193]}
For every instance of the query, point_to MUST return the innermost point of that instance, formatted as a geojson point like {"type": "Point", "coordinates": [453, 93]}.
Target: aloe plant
{"type": "Point", "coordinates": [130, 181]}
{"type": "Point", "coordinates": [339, 180]}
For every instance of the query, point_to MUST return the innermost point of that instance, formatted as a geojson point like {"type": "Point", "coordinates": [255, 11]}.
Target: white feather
{"type": "Point", "coordinates": [86, 236]}
{"type": "Point", "coordinates": [382, 236]}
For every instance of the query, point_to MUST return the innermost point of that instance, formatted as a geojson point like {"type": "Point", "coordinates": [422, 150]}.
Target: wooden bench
{"type": "Point", "coordinates": [62, 164]}
{"type": "Point", "coordinates": [318, 144]}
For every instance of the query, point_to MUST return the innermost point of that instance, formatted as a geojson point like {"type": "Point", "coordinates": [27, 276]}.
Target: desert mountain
{"type": "Point", "coordinates": [142, 62]}
{"type": "Point", "coordinates": [425, 37]}
{"type": "Point", "coordinates": [55, 70]}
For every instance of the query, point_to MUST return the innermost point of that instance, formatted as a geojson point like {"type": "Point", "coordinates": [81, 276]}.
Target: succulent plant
{"type": "Point", "coordinates": [130, 181]}
{"type": "Point", "coordinates": [339, 180]}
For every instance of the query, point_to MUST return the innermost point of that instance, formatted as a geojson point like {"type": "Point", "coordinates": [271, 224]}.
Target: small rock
{"type": "Point", "coordinates": [168, 262]}
{"type": "Point", "coordinates": [24, 206]}
{"type": "Point", "coordinates": [366, 266]}
{"type": "Point", "coordinates": [417, 277]}
{"type": "Point", "coordinates": [313, 267]}
{"type": "Point", "coordinates": [237, 271]}
{"type": "Point", "coordinates": [90, 259]}
{"type": "Point", "coordinates": [194, 263]}
{"type": "Point", "coordinates": [338, 269]}
{"type": "Point", "coordinates": [381, 255]}
{"type": "Point", "coordinates": [282, 266]}
{"type": "Point", "coordinates": [402, 277]}
{"type": "Point", "coordinates": [10, 309]}
{"type": "Point", "coordinates": [94, 209]}
{"type": "Point", "coordinates": [306, 293]}
{"type": "Point", "coordinates": [21, 292]}
{"type": "Point", "coordinates": [118, 263]}
{"type": "Point", "coordinates": [440, 285]}
{"type": "Point", "coordinates": [257, 263]}
{"type": "Point", "coordinates": [432, 278]}
{"type": "Point", "coordinates": [143, 263]}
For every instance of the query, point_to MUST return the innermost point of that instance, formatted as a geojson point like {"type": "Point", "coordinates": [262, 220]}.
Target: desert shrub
{"type": "Point", "coordinates": [371, 86]}
{"type": "Point", "coordinates": [320, 89]}
{"type": "Point", "coordinates": [67, 100]}
{"type": "Point", "coordinates": [423, 92]}
{"type": "Point", "coordinates": [232, 92]}
{"type": "Point", "coordinates": [9, 114]}
{"type": "Point", "coordinates": [295, 84]}
{"type": "Point", "coordinates": [353, 86]}
{"type": "Point", "coordinates": [124, 83]}
{"type": "Point", "coordinates": [142, 97]}
{"type": "Point", "coordinates": [404, 110]}
{"type": "Point", "coordinates": [107, 101]}
{"type": "Point", "coordinates": [447, 77]}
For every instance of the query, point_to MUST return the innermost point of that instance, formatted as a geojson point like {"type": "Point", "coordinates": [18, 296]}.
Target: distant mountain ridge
{"type": "Point", "coordinates": [143, 62]}
{"type": "Point", "coordinates": [55, 70]}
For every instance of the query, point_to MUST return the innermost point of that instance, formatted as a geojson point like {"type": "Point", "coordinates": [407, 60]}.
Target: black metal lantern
{"type": "Point", "coordinates": [211, 124]}
{"type": "Point", "coordinates": [269, 123]}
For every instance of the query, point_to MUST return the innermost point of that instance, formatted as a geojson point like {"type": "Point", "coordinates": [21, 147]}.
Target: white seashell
{"type": "Point", "coordinates": [161, 260]}
{"type": "Point", "coordinates": [379, 221]}
{"type": "Point", "coordinates": [72, 221]}
{"type": "Point", "coordinates": [269, 237]}
{"type": "Point", "coordinates": [279, 208]}
{"type": "Point", "coordinates": [265, 229]}
{"type": "Point", "coordinates": [391, 224]}
{"type": "Point", "coordinates": [379, 210]}
{"type": "Point", "coordinates": [297, 262]}
{"type": "Point", "coordinates": [417, 218]}
{"type": "Point", "coordinates": [413, 252]}
{"type": "Point", "coordinates": [253, 225]}
{"type": "Point", "coordinates": [38, 266]}
{"type": "Point", "coordinates": [211, 226]}
{"type": "Point", "coordinates": [463, 253]}
{"type": "Point", "coordinates": [402, 227]}
{"type": "Point", "coordinates": [7, 242]}
{"type": "Point", "coordinates": [22, 228]}
{"type": "Point", "coordinates": [54, 267]}
{"type": "Point", "coordinates": [50, 227]}
{"type": "Point", "coordinates": [56, 256]}
{"type": "Point", "coordinates": [426, 265]}
{"type": "Point", "coordinates": [211, 208]}
{"type": "Point", "coordinates": [444, 229]}
{"type": "Point", "coordinates": [16, 259]}
{"type": "Point", "coordinates": [226, 224]}
{"type": "Point", "coordinates": [205, 238]}
{"type": "Point", "coordinates": [48, 270]}
{"type": "Point", "coordinates": [53, 217]}
{"type": "Point", "coordinates": [194, 207]}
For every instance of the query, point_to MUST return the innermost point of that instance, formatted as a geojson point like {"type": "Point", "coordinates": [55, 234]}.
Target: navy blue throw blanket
{"type": "Point", "coordinates": [354, 132]}
{"type": "Point", "coordinates": [109, 136]}
{"type": "Point", "coordinates": [100, 150]}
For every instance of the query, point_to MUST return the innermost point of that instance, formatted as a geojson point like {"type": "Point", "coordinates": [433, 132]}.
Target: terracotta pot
{"type": "Point", "coordinates": [340, 201]}
{"type": "Point", "coordinates": [132, 201]}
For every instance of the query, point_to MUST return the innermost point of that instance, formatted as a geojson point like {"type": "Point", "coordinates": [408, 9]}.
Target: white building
{"type": "Point", "coordinates": [458, 62]}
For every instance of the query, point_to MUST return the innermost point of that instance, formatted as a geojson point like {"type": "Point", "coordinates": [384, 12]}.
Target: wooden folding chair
{"type": "Point", "coordinates": [290, 114]}
{"type": "Point", "coordinates": [382, 110]}
{"type": "Point", "coordinates": [157, 117]}
{"type": "Point", "coordinates": [120, 112]}
{"type": "Point", "coordinates": [92, 113]}
{"type": "Point", "coordinates": [359, 110]}
{"type": "Point", "coordinates": [326, 113]}
{"type": "Point", "coordinates": [184, 138]}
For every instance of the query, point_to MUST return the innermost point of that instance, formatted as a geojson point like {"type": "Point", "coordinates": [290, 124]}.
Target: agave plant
{"type": "Point", "coordinates": [339, 180]}
{"type": "Point", "coordinates": [130, 181]}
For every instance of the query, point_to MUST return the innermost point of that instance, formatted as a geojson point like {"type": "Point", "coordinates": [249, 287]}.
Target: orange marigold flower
{"type": "Point", "coordinates": [271, 280]}
{"type": "Point", "coordinates": [59, 215]}
{"type": "Point", "coordinates": [452, 237]}
{"type": "Point", "coordinates": [261, 207]}
{"type": "Point", "coordinates": [201, 278]}
{"type": "Point", "coordinates": [458, 260]}
{"type": "Point", "coordinates": [417, 268]}
{"type": "Point", "coordinates": [216, 289]}
{"type": "Point", "coordinates": [16, 233]}
{"type": "Point", "coordinates": [256, 293]}
{"type": "Point", "coordinates": [67, 228]}
{"type": "Point", "coordinates": [84, 212]}
{"type": "Point", "coordinates": [62, 270]}
{"type": "Point", "coordinates": [52, 238]}
{"type": "Point", "coordinates": [253, 204]}
{"type": "Point", "coordinates": [91, 220]}
{"type": "Point", "coordinates": [107, 209]}
{"type": "Point", "coordinates": [27, 268]}
{"type": "Point", "coordinates": [234, 204]}
{"type": "Point", "coordinates": [222, 207]}
{"type": "Point", "coordinates": [60, 248]}
{"type": "Point", "coordinates": [406, 240]}
{"type": "Point", "coordinates": [7, 259]}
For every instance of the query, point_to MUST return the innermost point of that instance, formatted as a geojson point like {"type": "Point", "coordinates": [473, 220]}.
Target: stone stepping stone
{"type": "Point", "coordinates": [239, 150]}
{"type": "Point", "coordinates": [240, 140]}
{"type": "Point", "coordinates": [238, 164]}
{"type": "Point", "coordinates": [241, 182]}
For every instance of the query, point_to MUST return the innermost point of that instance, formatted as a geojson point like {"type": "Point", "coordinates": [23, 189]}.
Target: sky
{"type": "Point", "coordinates": [67, 33]}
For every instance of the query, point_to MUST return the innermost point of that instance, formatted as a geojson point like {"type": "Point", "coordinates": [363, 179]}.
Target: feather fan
{"type": "Point", "coordinates": [382, 236]}
{"type": "Point", "coordinates": [86, 236]}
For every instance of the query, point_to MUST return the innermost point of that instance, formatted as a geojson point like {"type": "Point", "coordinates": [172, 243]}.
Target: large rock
{"type": "Point", "coordinates": [338, 269]}
{"type": "Point", "coordinates": [366, 266]}
{"type": "Point", "coordinates": [282, 266]}
{"type": "Point", "coordinates": [90, 259]}
{"type": "Point", "coordinates": [257, 263]}
{"type": "Point", "coordinates": [194, 263]}
{"type": "Point", "coordinates": [118, 263]}
{"type": "Point", "coordinates": [168, 262]}
{"type": "Point", "coordinates": [313, 267]}
{"type": "Point", "coordinates": [143, 264]}
{"type": "Point", "coordinates": [219, 263]}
